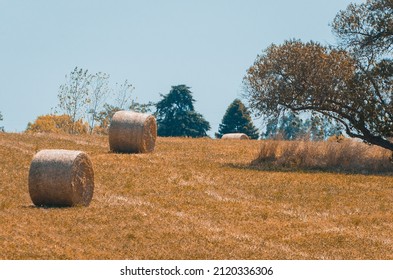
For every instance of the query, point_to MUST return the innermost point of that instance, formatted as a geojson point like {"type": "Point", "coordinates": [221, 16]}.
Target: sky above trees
{"type": "Point", "coordinates": [207, 45]}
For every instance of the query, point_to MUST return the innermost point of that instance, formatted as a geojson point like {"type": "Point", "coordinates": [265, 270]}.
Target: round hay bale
{"type": "Point", "coordinates": [131, 132]}
{"type": "Point", "coordinates": [61, 178]}
{"type": "Point", "coordinates": [234, 136]}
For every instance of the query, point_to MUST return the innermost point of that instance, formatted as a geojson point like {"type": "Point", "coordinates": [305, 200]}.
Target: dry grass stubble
{"type": "Point", "coordinates": [193, 199]}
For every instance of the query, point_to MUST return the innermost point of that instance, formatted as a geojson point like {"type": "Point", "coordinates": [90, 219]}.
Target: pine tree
{"type": "Point", "coordinates": [237, 119]}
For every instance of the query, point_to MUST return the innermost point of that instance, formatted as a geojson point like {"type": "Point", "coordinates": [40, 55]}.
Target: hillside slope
{"type": "Point", "coordinates": [192, 199]}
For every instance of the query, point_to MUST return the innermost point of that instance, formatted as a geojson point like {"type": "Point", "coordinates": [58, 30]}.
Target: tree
{"type": "Point", "coordinates": [123, 98]}
{"type": "Point", "coordinates": [237, 119]}
{"type": "Point", "coordinates": [1, 127]}
{"type": "Point", "coordinates": [73, 95]}
{"type": "Point", "coordinates": [317, 127]}
{"type": "Point", "coordinates": [366, 29]}
{"type": "Point", "coordinates": [308, 77]}
{"type": "Point", "coordinates": [98, 93]}
{"type": "Point", "coordinates": [352, 86]}
{"type": "Point", "coordinates": [142, 107]}
{"type": "Point", "coordinates": [176, 115]}
{"type": "Point", "coordinates": [291, 127]}
{"type": "Point", "coordinates": [288, 126]}
{"type": "Point", "coordinates": [104, 118]}
{"type": "Point", "coordinates": [83, 97]}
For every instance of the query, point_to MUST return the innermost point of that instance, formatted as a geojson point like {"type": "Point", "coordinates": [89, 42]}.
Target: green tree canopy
{"type": "Point", "coordinates": [176, 115]}
{"type": "Point", "coordinates": [237, 119]}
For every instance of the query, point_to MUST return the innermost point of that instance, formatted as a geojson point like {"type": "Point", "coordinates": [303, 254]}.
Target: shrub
{"type": "Point", "coordinates": [57, 124]}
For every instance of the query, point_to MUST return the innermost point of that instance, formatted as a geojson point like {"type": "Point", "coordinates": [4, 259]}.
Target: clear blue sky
{"type": "Point", "coordinates": [205, 44]}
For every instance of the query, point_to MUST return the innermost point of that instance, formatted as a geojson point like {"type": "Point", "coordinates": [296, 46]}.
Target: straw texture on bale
{"type": "Point", "coordinates": [61, 178]}
{"type": "Point", "coordinates": [240, 136]}
{"type": "Point", "coordinates": [131, 132]}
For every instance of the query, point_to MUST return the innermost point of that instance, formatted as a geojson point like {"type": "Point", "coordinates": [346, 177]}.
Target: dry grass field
{"type": "Point", "coordinates": [193, 199]}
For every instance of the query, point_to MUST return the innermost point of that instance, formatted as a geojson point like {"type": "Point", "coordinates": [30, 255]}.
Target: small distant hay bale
{"type": "Point", "coordinates": [131, 132]}
{"type": "Point", "coordinates": [235, 136]}
{"type": "Point", "coordinates": [61, 178]}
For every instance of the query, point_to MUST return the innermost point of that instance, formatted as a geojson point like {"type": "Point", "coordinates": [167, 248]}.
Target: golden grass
{"type": "Point", "coordinates": [346, 156]}
{"type": "Point", "coordinates": [193, 199]}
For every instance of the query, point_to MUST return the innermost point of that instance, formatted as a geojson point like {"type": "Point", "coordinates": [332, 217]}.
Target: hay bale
{"type": "Point", "coordinates": [131, 132]}
{"type": "Point", "coordinates": [236, 136]}
{"type": "Point", "coordinates": [61, 178]}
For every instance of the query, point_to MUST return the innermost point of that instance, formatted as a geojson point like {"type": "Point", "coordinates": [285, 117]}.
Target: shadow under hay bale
{"type": "Point", "coordinates": [131, 132]}
{"type": "Point", "coordinates": [235, 136]}
{"type": "Point", "coordinates": [61, 178]}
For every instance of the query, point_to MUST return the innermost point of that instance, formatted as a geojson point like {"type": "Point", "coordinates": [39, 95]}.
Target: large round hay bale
{"type": "Point", "coordinates": [61, 178]}
{"type": "Point", "coordinates": [131, 132]}
{"type": "Point", "coordinates": [230, 136]}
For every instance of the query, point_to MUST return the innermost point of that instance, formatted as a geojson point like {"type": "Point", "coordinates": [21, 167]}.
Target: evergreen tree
{"type": "Point", "coordinates": [176, 115]}
{"type": "Point", "coordinates": [237, 119]}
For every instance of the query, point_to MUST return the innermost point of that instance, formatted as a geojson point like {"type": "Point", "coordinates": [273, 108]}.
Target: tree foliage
{"type": "Point", "coordinates": [237, 119]}
{"type": "Point", "coordinates": [176, 115]}
{"type": "Point", "coordinates": [123, 100]}
{"type": "Point", "coordinates": [351, 85]}
{"type": "Point", "coordinates": [327, 81]}
{"type": "Point", "coordinates": [98, 93]}
{"type": "Point", "coordinates": [290, 126]}
{"type": "Point", "coordinates": [366, 29]}
{"type": "Point", "coordinates": [57, 124]}
{"type": "Point", "coordinates": [89, 97]}
{"type": "Point", "coordinates": [74, 94]}
{"type": "Point", "coordinates": [123, 95]}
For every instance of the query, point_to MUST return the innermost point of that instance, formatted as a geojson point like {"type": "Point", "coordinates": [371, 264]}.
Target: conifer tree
{"type": "Point", "coordinates": [237, 119]}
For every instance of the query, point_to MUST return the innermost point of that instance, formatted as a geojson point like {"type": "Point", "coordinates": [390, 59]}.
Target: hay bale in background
{"type": "Point", "coordinates": [61, 178]}
{"type": "Point", "coordinates": [131, 132]}
{"type": "Point", "coordinates": [240, 136]}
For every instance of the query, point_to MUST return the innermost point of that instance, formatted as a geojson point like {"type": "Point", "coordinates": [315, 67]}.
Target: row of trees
{"type": "Point", "coordinates": [291, 126]}
{"type": "Point", "coordinates": [176, 116]}
{"type": "Point", "coordinates": [83, 107]}
{"type": "Point", "coordinates": [351, 83]}
{"type": "Point", "coordinates": [83, 104]}
{"type": "Point", "coordinates": [82, 97]}
{"type": "Point", "coordinates": [87, 104]}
